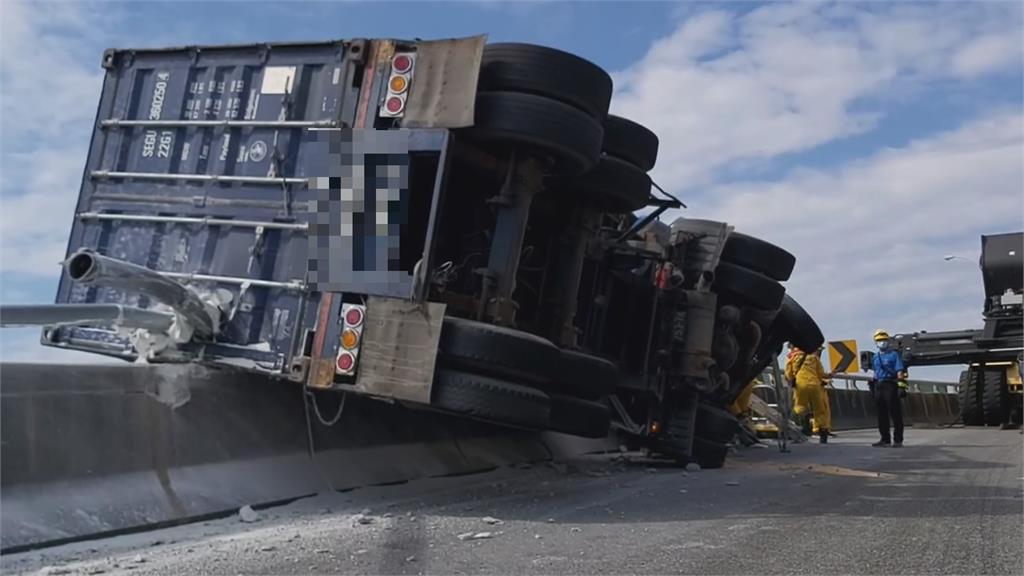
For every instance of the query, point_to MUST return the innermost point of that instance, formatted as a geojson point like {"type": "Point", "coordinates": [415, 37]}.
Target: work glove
{"type": "Point", "coordinates": [903, 389]}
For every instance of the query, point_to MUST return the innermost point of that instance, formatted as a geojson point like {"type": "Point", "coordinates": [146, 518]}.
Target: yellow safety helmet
{"type": "Point", "coordinates": [881, 335]}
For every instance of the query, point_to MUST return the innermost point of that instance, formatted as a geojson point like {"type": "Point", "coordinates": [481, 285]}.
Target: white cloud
{"type": "Point", "coordinates": [733, 90]}
{"type": "Point", "coordinates": [988, 54]}
{"type": "Point", "coordinates": [870, 235]}
{"type": "Point", "coordinates": [49, 68]}
{"type": "Point", "coordinates": [728, 88]}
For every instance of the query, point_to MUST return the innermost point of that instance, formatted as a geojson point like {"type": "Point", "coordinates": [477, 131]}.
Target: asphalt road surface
{"type": "Point", "coordinates": [949, 502]}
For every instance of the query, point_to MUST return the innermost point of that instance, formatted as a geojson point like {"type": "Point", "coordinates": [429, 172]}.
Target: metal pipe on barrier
{"type": "Point", "coordinates": [90, 268]}
{"type": "Point", "coordinates": [81, 314]}
{"type": "Point", "coordinates": [935, 385]}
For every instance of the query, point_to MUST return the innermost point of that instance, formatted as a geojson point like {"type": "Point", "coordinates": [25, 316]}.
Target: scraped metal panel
{"type": "Point", "coordinates": [400, 343]}
{"type": "Point", "coordinates": [444, 87]}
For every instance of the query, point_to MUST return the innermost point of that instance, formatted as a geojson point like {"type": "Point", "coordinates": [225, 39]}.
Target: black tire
{"type": "Point", "coordinates": [752, 288]}
{"type": "Point", "coordinates": [546, 72]}
{"type": "Point", "coordinates": [630, 141]}
{"type": "Point", "coordinates": [758, 255]}
{"type": "Point", "coordinates": [579, 417]}
{"type": "Point", "coordinates": [709, 455]}
{"type": "Point", "coordinates": [615, 185]}
{"type": "Point", "coordinates": [970, 398]}
{"type": "Point", "coordinates": [797, 326]}
{"type": "Point", "coordinates": [715, 424]}
{"type": "Point", "coordinates": [490, 399]}
{"type": "Point", "coordinates": [994, 397]}
{"type": "Point", "coordinates": [498, 351]}
{"type": "Point", "coordinates": [567, 136]}
{"type": "Point", "coordinates": [586, 376]}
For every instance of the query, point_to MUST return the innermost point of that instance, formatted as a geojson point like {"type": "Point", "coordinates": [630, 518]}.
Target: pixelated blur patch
{"type": "Point", "coordinates": [359, 206]}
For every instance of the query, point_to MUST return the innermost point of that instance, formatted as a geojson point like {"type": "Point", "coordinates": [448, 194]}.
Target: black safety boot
{"type": "Point", "coordinates": [897, 445]}
{"type": "Point", "coordinates": [823, 437]}
{"type": "Point", "coordinates": [805, 425]}
{"type": "Point", "coordinates": [882, 443]}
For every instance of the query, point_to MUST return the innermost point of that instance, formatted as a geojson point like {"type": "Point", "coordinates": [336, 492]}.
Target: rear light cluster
{"type": "Point", "coordinates": [352, 317]}
{"type": "Point", "coordinates": [398, 85]}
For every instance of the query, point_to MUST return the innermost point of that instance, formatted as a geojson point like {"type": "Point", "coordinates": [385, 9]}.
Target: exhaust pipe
{"type": "Point", "coordinates": [92, 269]}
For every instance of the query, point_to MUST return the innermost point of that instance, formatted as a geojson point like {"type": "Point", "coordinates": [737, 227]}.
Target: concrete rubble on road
{"type": "Point", "coordinates": [247, 514]}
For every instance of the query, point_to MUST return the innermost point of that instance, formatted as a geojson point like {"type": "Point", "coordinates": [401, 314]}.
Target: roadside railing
{"type": "Point", "coordinates": [852, 381]}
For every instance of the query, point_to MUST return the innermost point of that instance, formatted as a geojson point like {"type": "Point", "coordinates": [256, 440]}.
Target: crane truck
{"type": "Point", "coordinates": [991, 391]}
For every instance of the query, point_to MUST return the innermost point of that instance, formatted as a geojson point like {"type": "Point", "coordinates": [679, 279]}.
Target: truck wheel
{"type": "Point", "coordinates": [586, 376]}
{"type": "Point", "coordinates": [709, 455]}
{"type": "Point", "coordinates": [994, 396]}
{"type": "Point", "coordinates": [758, 255]}
{"type": "Point", "coordinates": [615, 185]}
{"type": "Point", "coordinates": [715, 424]}
{"type": "Point", "coordinates": [569, 137]}
{"type": "Point", "coordinates": [798, 326]}
{"type": "Point", "coordinates": [546, 72]}
{"type": "Point", "coordinates": [498, 351]}
{"type": "Point", "coordinates": [490, 399]}
{"type": "Point", "coordinates": [630, 141]}
{"type": "Point", "coordinates": [970, 398]}
{"type": "Point", "coordinates": [751, 287]}
{"type": "Point", "coordinates": [579, 417]}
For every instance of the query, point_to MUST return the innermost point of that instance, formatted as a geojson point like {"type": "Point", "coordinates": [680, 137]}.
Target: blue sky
{"type": "Point", "coordinates": [869, 139]}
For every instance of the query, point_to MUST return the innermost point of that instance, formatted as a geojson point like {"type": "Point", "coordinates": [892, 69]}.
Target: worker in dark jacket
{"type": "Point", "coordinates": [889, 386]}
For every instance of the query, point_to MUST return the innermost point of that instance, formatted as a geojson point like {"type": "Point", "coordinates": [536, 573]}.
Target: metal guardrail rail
{"type": "Point", "coordinates": [855, 381]}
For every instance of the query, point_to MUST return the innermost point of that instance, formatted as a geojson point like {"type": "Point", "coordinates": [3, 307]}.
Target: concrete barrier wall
{"type": "Point", "coordinates": [92, 449]}
{"type": "Point", "coordinates": [852, 409]}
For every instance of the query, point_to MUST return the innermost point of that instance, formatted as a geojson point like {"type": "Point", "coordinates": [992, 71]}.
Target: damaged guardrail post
{"type": "Point", "coordinates": [92, 269]}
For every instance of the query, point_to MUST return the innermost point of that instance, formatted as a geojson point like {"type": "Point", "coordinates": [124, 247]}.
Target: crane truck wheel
{"type": "Point", "coordinates": [715, 424]}
{"type": "Point", "coordinates": [567, 136]}
{"type": "Point", "coordinates": [498, 351]}
{"type": "Point", "coordinates": [510, 67]}
{"type": "Point", "coordinates": [490, 399]}
{"type": "Point", "coordinates": [586, 376]}
{"type": "Point", "coordinates": [709, 455]}
{"type": "Point", "coordinates": [970, 398]}
{"type": "Point", "coordinates": [752, 288]}
{"type": "Point", "coordinates": [797, 325]}
{"type": "Point", "coordinates": [630, 141]}
{"type": "Point", "coordinates": [994, 397]}
{"type": "Point", "coordinates": [579, 417]}
{"type": "Point", "coordinates": [615, 185]}
{"type": "Point", "coordinates": [758, 255]}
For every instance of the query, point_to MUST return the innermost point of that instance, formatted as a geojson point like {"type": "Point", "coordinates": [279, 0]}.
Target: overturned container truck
{"type": "Point", "coordinates": [445, 224]}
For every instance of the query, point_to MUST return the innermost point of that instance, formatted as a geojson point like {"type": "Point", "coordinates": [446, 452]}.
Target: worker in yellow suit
{"type": "Point", "coordinates": [808, 373]}
{"type": "Point", "coordinates": [815, 427]}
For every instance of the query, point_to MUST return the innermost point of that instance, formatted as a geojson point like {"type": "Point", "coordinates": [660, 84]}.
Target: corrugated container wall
{"type": "Point", "coordinates": [197, 168]}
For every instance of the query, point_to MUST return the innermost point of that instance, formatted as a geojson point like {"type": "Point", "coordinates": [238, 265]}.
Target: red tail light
{"type": "Point", "coordinates": [354, 317]}
{"type": "Point", "coordinates": [345, 362]}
